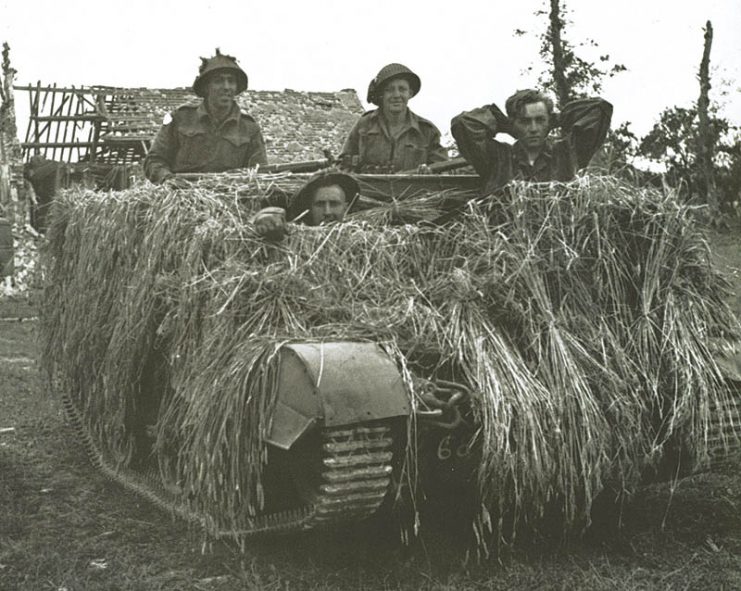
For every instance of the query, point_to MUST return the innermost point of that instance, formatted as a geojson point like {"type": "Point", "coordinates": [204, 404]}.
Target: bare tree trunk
{"type": "Point", "coordinates": [7, 107]}
{"type": "Point", "coordinates": [559, 67]}
{"type": "Point", "coordinates": [12, 196]}
{"type": "Point", "coordinates": [705, 147]}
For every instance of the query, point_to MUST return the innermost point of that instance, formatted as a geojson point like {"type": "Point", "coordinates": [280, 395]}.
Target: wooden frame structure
{"type": "Point", "coordinates": [110, 126]}
{"type": "Point", "coordinates": [87, 124]}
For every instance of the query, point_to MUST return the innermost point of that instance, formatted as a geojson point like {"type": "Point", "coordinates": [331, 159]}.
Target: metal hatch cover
{"type": "Point", "coordinates": [336, 383]}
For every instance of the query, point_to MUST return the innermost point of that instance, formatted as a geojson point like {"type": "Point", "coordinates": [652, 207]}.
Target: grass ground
{"type": "Point", "coordinates": [64, 526]}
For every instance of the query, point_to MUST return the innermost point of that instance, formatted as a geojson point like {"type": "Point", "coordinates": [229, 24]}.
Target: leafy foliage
{"type": "Point", "coordinates": [559, 57]}
{"type": "Point", "coordinates": [618, 151]}
{"type": "Point", "coordinates": [673, 141]}
{"type": "Point", "coordinates": [567, 75]}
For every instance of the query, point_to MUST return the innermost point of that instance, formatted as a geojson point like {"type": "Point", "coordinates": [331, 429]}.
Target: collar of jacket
{"type": "Point", "coordinates": [411, 121]}
{"type": "Point", "coordinates": [233, 115]}
{"type": "Point", "coordinates": [546, 154]}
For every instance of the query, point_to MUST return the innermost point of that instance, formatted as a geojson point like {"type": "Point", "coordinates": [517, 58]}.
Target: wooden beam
{"type": "Point", "coordinates": [51, 110]}
{"type": "Point", "coordinates": [70, 118]}
{"type": "Point", "coordinates": [50, 89]}
{"type": "Point", "coordinates": [56, 144]}
{"type": "Point", "coordinates": [37, 100]}
{"type": "Point", "coordinates": [112, 90]}
{"type": "Point", "coordinates": [124, 140]}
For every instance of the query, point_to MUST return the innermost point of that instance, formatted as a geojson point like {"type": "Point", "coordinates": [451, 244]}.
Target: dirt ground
{"type": "Point", "coordinates": [65, 527]}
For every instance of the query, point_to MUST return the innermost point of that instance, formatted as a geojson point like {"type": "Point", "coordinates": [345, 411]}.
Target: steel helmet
{"type": "Point", "coordinates": [214, 64]}
{"type": "Point", "coordinates": [301, 201]}
{"type": "Point", "coordinates": [387, 73]}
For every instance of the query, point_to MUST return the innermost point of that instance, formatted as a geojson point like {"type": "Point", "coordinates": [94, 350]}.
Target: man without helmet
{"type": "Point", "coordinates": [534, 156]}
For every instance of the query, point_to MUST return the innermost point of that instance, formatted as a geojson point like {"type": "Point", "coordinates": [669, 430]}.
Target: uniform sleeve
{"type": "Point", "coordinates": [351, 149]}
{"type": "Point", "coordinates": [258, 155]}
{"type": "Point", "coordinates": [435, 152]}
{"type": "Point", "coordinates": [159, 160]}
{"type": "Point", "coordinates": [474, 133]}
{"type": "Point", "coordinates": [585, 123]}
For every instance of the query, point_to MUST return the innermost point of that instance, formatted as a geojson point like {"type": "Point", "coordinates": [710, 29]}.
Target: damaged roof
{"type": "Point", "coordinates": [119, 123]}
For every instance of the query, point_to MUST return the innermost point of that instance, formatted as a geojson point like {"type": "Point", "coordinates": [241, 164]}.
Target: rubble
{"type": "Point", "coordinates": [26, 275]}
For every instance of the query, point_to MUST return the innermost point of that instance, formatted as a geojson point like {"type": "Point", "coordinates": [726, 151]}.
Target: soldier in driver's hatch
{"type": "Point", "coordinates": [211, 135]}
{"type": "Point", "coordinates": [324, 199]}
{"type": "Point", "coordinates": [534, 156]}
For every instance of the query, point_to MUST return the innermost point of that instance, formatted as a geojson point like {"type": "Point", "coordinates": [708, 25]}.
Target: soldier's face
{"type": "Point", "coordinates": [396, 95]}
{"type": "Point", "coordinates": [221, 88]}
{"type": "Point", "coordinates": [329, 205]}
{"type": "Point", "coordinates": [532, 125]}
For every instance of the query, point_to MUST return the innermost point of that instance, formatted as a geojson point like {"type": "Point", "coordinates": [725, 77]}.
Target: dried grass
{"type": "Point", "coordinates": [579, 314]}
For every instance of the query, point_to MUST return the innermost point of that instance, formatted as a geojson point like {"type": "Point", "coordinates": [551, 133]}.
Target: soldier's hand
{"type": "Point", "coordinates": [423, 169]}
{"type": "Point", "coordinates": [503, 122]}
{"type": "Point", "coordinates": [270, 223]}
{"type": "Point", "coordinates": [173, 181]}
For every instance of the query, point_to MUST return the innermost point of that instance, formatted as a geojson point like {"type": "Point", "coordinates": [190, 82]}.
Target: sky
{"type": "Point", "coordinates": [464, 51]}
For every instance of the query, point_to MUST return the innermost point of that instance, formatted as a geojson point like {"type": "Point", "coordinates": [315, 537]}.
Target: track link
{"type": "Point", "coordinates": [724, 438]}
{"type": "Point", "coordinates": [356, 476]}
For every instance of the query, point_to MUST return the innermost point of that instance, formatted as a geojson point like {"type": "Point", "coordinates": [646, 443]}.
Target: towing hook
{"type": "Point", "coordinates": [441, 400]}
{"type": "Point", "coordinates": [428, 414]}
{"type": "Point", "coordinates": [452, 418]}
{"type": "Point", "coordinates": [454, 390]}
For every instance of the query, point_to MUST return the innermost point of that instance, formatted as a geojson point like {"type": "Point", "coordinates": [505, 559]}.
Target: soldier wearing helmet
{"type": "Point", "coordinates": [324, 199]}
{"type": "Point", "coordinates": [212, 135]}
{"type": "Point", "coordinates": [392, 138]}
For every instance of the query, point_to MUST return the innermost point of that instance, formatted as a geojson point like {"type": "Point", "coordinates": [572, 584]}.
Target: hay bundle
{"type": "Point", "coordinates": [579, 314]}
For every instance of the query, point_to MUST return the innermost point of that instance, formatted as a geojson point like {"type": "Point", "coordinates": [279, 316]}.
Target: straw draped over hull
{"type": "Point", "coordinates": [579, 314]}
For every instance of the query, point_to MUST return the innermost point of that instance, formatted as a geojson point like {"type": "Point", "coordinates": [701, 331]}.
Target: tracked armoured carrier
{"type": "Point", "coordinates": [338, 434]}
{"type": "Point", "coordinates": [335, 446]}
{"type": "Point", "coordinates": [341, 424]}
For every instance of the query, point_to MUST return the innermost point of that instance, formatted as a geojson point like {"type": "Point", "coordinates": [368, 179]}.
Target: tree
{"type": "Point", "coordinates": [673, 141]}
{"type": "Point", "coordinates": [569, 76]}
{"type": "Point", "coordinates": [728, 175]}
{"type": "Point", "coordinates": [706, 142]}
{"type": "Point", "coordinates": [7, 109]}
{"type": "Point", "coordinates": [564, 73]}
{"type": "Point", "coordinates": [618, 151]}
{"type": "Point", "coordinates": [700, 149]}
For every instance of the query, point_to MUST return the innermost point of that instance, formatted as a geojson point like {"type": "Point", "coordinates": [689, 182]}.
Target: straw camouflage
{"type": "Point", "coordinates": [605, 320]}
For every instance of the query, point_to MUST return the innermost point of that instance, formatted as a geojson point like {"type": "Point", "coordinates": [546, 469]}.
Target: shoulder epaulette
{"type": "Point", "coordinates": [188, 105]}
{"type": "Point", "coordinates": [423, 122]}
{"type": "Point", "coordinates": [426, 122]}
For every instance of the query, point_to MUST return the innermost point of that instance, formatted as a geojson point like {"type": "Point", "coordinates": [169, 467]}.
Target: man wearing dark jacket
{"type": "Point", "coordinates": [212, 135]}
{"type": "Point", "coordinates": [534, 156]}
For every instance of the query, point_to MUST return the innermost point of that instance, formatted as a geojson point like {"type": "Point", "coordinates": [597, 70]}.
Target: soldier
{"type": "Point", "coordinates": [46, 177]}
{"type": "Point", "coordinates": [325, 198]}
{"type": "Point", "coordinates": [211, 135]}
{"type": "Point", "coordinates": [392, 138]}
{"type": "Point", "coordinates": [534, 156]}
